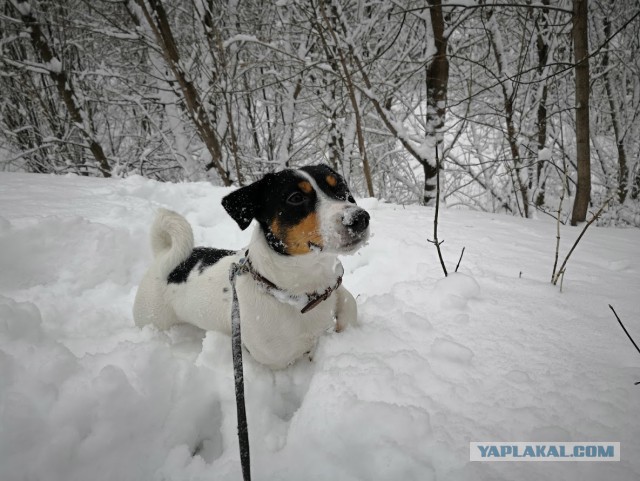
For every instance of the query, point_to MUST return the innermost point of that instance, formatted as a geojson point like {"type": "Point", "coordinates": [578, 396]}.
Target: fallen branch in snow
{"type": "Point", "coordinates": [626, 332]}
{"type": "Point", "coordinates": [556, 275]}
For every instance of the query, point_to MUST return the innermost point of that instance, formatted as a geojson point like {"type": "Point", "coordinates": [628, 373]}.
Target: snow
{"type": "Point", "coordinates": [544, 154]}
{"type": "Point", "coordinates": [491, 353]}
{"type": "Point", "coordinates": [23, 7]}
{"type": "Point", "coordinates": [54, 65]}
{"type": "Point", "coordinates": [240, 38]}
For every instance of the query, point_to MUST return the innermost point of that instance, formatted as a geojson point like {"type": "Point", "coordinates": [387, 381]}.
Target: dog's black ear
{"type": "Point", "coordinates": [243, 204]}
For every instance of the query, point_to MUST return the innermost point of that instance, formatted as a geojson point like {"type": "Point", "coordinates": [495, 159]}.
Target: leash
{"type": "Point", "coordinates": [309, 301]}
{"type": "Point", "coordinates": [235, 270]}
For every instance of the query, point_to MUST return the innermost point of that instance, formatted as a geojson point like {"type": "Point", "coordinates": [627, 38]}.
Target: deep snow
{"type": "Point", "coordinates": [493, 353]}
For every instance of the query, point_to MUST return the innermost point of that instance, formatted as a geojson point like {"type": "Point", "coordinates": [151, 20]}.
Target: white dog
{"type": "Point", "coordinates": [292, 293]}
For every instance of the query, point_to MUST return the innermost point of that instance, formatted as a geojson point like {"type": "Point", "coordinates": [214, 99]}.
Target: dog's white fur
{"type": "Point", "coordinates": [274, 332]}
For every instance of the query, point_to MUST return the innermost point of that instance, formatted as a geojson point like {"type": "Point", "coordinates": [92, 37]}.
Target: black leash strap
{"type": "Point", "coordinates": [236, 350]}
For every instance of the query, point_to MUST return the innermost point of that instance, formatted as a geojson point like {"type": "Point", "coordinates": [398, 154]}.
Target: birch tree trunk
{"type": "Point", "coordinates": [542, 47]}
{"type": "Point", "coordinates": [437, 81]}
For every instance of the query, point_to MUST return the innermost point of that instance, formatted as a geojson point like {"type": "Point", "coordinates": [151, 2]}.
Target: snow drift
{"type": "Point", "coordinates": [492, 353]}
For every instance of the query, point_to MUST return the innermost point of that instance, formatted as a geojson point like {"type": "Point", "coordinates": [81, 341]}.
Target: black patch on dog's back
{"type": "Point", "coordinates": [202, 257]}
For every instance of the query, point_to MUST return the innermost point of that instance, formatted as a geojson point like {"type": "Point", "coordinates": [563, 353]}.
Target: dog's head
{"type": "Point", "coordinates": [300, 211]}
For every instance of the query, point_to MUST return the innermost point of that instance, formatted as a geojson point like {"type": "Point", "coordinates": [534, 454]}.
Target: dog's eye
{"type": "Point", "coordinates": [295, 199]}
{"type": "Point", "coordinates": [351, 199]}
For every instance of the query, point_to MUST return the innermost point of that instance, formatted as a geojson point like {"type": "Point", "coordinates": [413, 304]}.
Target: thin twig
{"type": "Point", "coordinates": [435, 218]}
{"type": "Point", "coordinates": [626, 332]}
{"type": "Point", "coordinates": [624, 329]}
{"type": "Point", "coordinates": [460, 260]}
{"type": "Point", "coordinates": [575, 244]}
{"type": "Point", "coordinates": [564, 190]}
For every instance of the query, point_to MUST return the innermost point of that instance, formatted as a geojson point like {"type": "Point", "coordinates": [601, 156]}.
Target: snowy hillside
{"type": "Point", "coordinates": [493, 353]}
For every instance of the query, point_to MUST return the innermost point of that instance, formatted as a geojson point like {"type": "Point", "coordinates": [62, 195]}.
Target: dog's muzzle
{"type": "Point", "coordinates": [356, 220]}
{"type": "Point", "coordinates": [344, 228]}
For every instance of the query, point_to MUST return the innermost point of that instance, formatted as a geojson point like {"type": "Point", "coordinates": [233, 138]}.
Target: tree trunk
{"type": "Point", "coordinates": [581, 52]}
{"type": "Point", "coordinates": [437, 81]}
{"type": "Point", "coordinates": [623, 169]}
{"type": "Point", "coordinates": [541, 120]}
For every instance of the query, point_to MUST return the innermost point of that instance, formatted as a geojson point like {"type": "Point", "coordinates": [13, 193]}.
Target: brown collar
{"type": "Point", "coordinates": [312, 299]}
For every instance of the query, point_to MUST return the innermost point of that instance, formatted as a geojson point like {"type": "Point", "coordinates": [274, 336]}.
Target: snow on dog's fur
{"type": "Point", "coordinates": [306, 218]}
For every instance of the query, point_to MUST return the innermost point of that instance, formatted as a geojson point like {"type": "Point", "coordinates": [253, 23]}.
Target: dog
{"type": "Point", "coordinates": [291, 293]}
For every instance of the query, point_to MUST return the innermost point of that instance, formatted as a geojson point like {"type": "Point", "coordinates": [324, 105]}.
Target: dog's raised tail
{"type": "Point", "coordinates": [171, 240]}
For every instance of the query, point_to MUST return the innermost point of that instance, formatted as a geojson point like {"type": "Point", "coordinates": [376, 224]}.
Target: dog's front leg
{"type": "Point", "coordinates": [346, 309]}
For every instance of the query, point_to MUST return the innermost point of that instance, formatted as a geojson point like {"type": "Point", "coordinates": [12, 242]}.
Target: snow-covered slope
{"type": "Point", "coordinates": [493, 353]}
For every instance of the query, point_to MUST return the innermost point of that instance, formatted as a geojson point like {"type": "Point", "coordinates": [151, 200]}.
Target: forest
{"type": "Point", "coordinates": [528, 108]}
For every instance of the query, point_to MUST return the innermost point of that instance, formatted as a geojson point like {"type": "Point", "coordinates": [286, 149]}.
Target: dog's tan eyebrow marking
{"type": "Point", "coordinates": [331, 180]}
{"type": "Point", "coordinates": [305, 187]}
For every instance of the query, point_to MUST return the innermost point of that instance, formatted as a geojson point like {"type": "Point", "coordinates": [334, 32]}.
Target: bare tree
{"type": "Point", "coordinates": [537, 178]}
{"type": "Point", "coordinates": [155, 15]}
{"type": "Point", "coordinates": [52, 64]}
{"type": "Point", "coordinates": [583, 152]}
{"type": "Point", "coordinates": [352, 94]}
{"type": "Point", "coordinates": [227, 91]}
{"type": "Point", "coordinates": [509, 93]}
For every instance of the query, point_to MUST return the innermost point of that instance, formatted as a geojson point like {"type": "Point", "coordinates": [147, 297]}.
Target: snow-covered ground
{"type": "Point", "coordinates": [493, 353]}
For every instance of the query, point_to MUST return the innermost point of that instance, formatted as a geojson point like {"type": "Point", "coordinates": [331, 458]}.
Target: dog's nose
{"type": "Point", "coordinates": [356, 220]}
